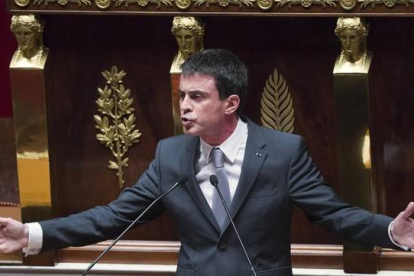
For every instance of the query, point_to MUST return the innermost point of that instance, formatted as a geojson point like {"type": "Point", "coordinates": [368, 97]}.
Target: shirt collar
{"type": "Point", "coordinates": [230, 147]}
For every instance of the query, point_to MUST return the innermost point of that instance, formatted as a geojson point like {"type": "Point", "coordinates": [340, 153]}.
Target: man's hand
{"type": "Point", "coordinates": [403, 227]}
{"type": "Point", "coordinates": [13, 235]}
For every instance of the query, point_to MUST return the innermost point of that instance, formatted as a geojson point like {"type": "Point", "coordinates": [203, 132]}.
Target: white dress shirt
{"type": "Point", "coordinates": [233, 149]}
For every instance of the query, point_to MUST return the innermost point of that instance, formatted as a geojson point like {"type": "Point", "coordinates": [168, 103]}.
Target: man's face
{"type": "Point", "coordinates": [187, 42]}
{"type": "Point", "coordinates": [202, 110]}
{"type": "Point", "coordinates": [350, 41]}
{"type": "Point", "coordinates": [25, 37]}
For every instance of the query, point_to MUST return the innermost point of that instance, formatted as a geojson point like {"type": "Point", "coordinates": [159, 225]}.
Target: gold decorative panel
{"type": "Point", "coordinates": [277, 107]}
{"type": "Point", "coordinates": [117, 122]}
{"type": "Point", "coordinates": [312, 7]}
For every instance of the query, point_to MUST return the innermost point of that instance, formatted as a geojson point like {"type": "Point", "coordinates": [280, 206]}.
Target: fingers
{"type": "Point", "coordinates": [3, 248]}
{"type": "Point", "coordinates": [3, 221]}
{"type": "Point", "coordinates": [6, 248]}
{"type": "Point", "coordinates": [12, 229]}
{"type": "Point", "coordinates": [406, 214]}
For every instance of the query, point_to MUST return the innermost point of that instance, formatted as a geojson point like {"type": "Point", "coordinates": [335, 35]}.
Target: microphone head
{"type": "Point", "coordinates": [213, 180]}
{"type": "Point", "coordinates": [182, 179]}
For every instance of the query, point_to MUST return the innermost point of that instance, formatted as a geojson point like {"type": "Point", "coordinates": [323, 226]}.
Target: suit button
{"type": "Point", "coordinates": [222, 246]}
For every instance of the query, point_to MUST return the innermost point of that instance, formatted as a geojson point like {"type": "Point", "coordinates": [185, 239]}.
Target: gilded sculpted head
{"type": "Point", "coordinates": [352, 33]}
{"type": "Point", "coordinates": [28, 30]}
{"type": "Point", "coordinates": [189, 33]}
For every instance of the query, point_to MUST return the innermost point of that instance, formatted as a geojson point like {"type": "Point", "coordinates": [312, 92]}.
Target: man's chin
{"type": "Point", "coordinates": [190, 131]}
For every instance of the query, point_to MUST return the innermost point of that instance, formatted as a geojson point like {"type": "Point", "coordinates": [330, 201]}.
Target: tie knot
{"type": "Point", "coordinates": [217, 156]}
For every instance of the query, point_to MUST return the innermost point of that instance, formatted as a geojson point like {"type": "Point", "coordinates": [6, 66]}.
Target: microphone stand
{"type": "Point", "coordinates": [180, 181]}
{"type": "Point", "coordinates": [214, 182]}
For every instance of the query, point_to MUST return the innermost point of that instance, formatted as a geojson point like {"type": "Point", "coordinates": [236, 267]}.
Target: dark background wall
{"type": "Point", "coordinates": [8, 176]}
{"type": "Point", "coordinates": [8, 46]}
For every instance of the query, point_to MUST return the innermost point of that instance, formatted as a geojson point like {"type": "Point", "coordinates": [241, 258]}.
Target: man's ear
{"type": "Point", "coordinates": [233, 102]}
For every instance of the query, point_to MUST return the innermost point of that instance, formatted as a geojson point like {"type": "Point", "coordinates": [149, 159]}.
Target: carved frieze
{"type": "Point", "coordinates": [205, 6]}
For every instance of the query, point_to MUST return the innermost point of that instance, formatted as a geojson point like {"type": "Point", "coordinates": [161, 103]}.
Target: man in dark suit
{"type": "Point", "coordinates": [266, 173]}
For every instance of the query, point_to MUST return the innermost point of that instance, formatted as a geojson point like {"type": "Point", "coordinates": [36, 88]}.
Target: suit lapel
{"type": "Point", "coordinates": [254, 157]}
{"type": "Point", "coordinates": [187, 163]}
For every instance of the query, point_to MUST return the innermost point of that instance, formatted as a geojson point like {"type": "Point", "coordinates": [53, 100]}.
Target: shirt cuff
{"type": "Point", "coordinates": [403, 247]}
{"type": "Point", "coordinates": [35, 239]}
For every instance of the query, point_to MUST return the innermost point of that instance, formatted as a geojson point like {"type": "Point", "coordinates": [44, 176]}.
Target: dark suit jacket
{"type": "Point", "coordinates": [277, 173]}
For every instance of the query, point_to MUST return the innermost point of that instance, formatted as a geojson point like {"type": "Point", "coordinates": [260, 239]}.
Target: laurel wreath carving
{"type": "Point", "coordinates": [225, 3]}
{"type": "Point", "coordinates": [62, 2]}
{"type": "Point", "coordinates": [388, 3]}
{"type": "Point", "coordinates": [277, 106]}
{"type": "Point", "coordinates": [116, 122]}
{"type": "Point", "coordinates": [143, 3]}
{"type": "Point", "coordinates": [306, 3]}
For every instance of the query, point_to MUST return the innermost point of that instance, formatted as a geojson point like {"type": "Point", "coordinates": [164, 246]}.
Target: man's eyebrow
{"type": "Point", "coordinates": [192, 91]}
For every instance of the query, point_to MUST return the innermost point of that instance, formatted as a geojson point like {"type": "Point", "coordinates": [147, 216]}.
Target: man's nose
{"type": "Point", "coordinates": [185, 104]}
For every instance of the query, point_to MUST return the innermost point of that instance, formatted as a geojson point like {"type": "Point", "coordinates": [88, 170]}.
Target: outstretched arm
{"type": "Point", "coordinates": [403, 227]}
{"type": "Point", "coordinates": [14, 235]}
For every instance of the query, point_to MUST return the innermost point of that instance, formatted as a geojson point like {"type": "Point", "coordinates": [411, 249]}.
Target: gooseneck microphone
{"type": "Point", "coordinates": [180, 181]}
{"type": "Point", "coordinates": [214, 182]}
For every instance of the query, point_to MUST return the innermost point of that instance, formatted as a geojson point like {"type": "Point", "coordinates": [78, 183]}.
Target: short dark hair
{"type": "Point", "coordinates": [228, 70]}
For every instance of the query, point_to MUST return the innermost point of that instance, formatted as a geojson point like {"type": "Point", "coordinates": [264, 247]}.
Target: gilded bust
{"type": "Point", "coordinates": [354, 58]}
{"type": "Point", "coordinates": [189, 34]}
{"type": "Point", "coordinates": [28, 30]}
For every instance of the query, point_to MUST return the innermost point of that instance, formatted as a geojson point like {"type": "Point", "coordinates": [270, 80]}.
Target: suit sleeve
{"type": "Point", "coordinates": [105, 222]}
{"type": "Point", "coordinates": [314, 196]}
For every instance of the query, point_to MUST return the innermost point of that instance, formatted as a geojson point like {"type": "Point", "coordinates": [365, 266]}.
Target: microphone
{"type": "Point", "coordinates": [214, 182]}
{"type": "Point", "coordinates": [180, 181]}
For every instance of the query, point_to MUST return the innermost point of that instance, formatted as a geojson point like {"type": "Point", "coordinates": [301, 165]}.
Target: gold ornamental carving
{"type": "Point", "coordinates": [103, 4]}
{"type": "Point", "coordinates": [143, 3]}
{"type": "Point", "coordinates": [62, 2]}
{"type": "Point", "coordinates": [306, 3]}
{"type": "Point", "coordinates": [265, 4]}
{"type": "Point", "coordinates": [116, 123]}
{"type": "Point", "coordinates": [224, 3]}
{"type": "Point", "coordinates": [348, 5]}
{"type": "Point", "coordinates": [22, 3]}
{"type": "Point", "coordinates": [387, 3]}
{"type": "Point", "coordinates": [183, 4]}
{"type": "Point", "coordinates": [277, 110]}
